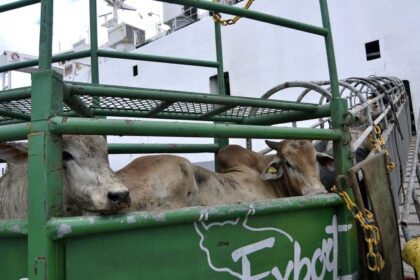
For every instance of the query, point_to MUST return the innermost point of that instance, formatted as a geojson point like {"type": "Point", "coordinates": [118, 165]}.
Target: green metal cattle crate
{"type": "Point", "coordinates": [293, 238]}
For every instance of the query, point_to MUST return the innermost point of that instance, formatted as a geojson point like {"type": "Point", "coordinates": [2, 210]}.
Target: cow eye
{"type": "Point", "coordinates": [288, 165]}
{"type": "Point", "coordinates": [67, 156]}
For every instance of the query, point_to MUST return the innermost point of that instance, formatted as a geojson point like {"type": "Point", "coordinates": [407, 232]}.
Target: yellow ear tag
{"type": "Point", "coordinates": [272, 169]}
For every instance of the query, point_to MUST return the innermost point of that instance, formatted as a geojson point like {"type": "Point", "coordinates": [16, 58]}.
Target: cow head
{"type": "Point", "coordinates": [296, 164]}
{"type": "Point", "coordinates": [88, 178]}
{"type": "Point", "coordinates": [89, 183]}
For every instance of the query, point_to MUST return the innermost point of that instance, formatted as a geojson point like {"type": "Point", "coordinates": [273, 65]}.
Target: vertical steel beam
{"type": "Point", "coordinates": [221, 142]}
{"type": "Point", "coordinates": [45, 199]}
{"type": "Point", "coordinates": [348, 259]}
{"type": "Point", "coordinates": [93, 42]}
{"type": "Point", "coordinates": [45, 35]}
{"type": "Point", "coordinates": [94, 58]}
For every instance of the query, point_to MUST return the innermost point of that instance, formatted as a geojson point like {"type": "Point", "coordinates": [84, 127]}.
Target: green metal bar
{"type": "Point", "coordinates": [232, 10]}
{"type": "Point", "coordinates": [14, 115]}
{"type": "Point", "coordinates": [61, 125]}
{"type": "Point", "coordinates": [70, 56]}
{"type": "Point", "coordinates": [34, 62]}
{"type": "Point", "coordinates": [9, 122]}
{"type": "Point", "coordinates": [156, 58]}
{"type": "Point", "coordinates": [15, 94]}
{"type": "Point", "coordinates": [76, 104]}
{"type": "Point", "coordinates": [179, 96]}
{"type": "Point", "coordinates": [162, 115]}
{"type": "Point", "coordinates": [348, 260]}
{"type": "Point", "coordinates": [162, 106]}
{"type": "Point", "coordinates": [219, 55]}
{"type": "Point", "coordinates": [45, 36]}
{"type": "Point", "coordinates": [13, 228]}
{"type": "Point", "coordinates": [13, 132]}
{"type": "Point", "coordinates": [217, 111]}
{"type": "Point", "coordinates": [221, 85]}
{"type": "Point", "coordinates": [342, 154]}
{"type": "Point", "coordinates": [18, 65]}
{"type": "Point", "coordinates": [17, 4]}
{"type": "Point", "coordinates": [45, 198]}
{"type": "Point", "coordinates": [161, 148]}
{"type": "Point", "coordinates": [288, 116]}
{"type": "Point", "coordinates": [94, 42]}
{"type": "Point", "coordinates": [82, 226]}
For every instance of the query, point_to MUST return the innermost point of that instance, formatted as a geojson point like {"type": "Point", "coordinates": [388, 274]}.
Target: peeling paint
{"type": "Point", "coordinates": [15, 228]}
{"type": "Point", "coordinates": [63, 229]}
{"type": "Point", "coordinates": [131, 219]}
{"type": "Point", "coordinates": [160, 217]}
{"type": "Point", "coordinates": [91, 220]}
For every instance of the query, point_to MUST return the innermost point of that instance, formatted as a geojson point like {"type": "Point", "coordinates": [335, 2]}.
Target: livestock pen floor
{"type": "Point", "coordinates": [414, 223]}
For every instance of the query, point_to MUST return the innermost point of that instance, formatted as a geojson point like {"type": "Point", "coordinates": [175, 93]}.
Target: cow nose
{"type": "Point", "coordinates": [119, 197]}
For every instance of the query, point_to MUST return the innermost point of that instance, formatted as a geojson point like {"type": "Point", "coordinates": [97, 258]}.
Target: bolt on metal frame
{"type": "Point", "coordinates": [45, 255]}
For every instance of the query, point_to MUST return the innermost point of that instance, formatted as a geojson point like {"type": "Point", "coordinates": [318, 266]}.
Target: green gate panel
{"type": "Point", "coordinates": [288, 245]}
{"type": "Point", "coordinates": [13, 258]}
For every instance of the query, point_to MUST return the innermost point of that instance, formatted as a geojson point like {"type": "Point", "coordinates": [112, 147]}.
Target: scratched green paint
{"type": "Point", "coordinates": [176, 254]}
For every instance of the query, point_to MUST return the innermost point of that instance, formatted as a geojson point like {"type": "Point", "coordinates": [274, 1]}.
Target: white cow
{"type": "Point", "coordinates": [89, 183]}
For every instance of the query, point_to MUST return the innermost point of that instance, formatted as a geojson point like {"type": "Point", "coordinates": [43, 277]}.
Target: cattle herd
{"type": "Point", "coordinates": [161, 182]}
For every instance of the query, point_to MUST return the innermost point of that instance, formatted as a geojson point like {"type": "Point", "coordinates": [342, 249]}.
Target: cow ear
{"type": "Point", "coordinates": [325, 160]}
{"type": "Point", "coordinates": [273, 171]}
{"type": "Point", "coordinates": [272, 144]}
{"type": "Point", "coordinates": [15, 153]}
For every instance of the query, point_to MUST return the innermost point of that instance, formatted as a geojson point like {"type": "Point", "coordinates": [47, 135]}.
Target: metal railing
{"type": "Point", "coordinates": [410, 195]}
{"type": "Point", "coordinates": [47, 123]}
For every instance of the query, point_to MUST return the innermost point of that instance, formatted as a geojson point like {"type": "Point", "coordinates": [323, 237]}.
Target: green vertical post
{"type": "Point", "coordinates": [45, 198]}
{"type": "Point", "coordinates": [94, 58]}
{"type": "Point", "coordinates": [342, 151]}
{"type": "Point", "coordinates": [93, 42]}
{"type": "Point", "coordinates": [45, 257]}
{"type": "Point", "coordinates": [45, 35]}
{"type": "Point", "coordinates": [221, 142]}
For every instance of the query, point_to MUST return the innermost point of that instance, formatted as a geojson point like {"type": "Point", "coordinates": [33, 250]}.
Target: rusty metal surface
{"type": "Point", "coordinates": [381, 201]}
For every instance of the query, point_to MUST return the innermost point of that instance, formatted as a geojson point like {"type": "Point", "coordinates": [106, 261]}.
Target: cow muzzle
{"type": "Point", "coordinates": [118, 200]}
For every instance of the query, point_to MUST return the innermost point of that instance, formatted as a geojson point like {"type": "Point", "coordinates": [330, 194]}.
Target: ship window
{"type": "Point", "coordinates": [372, 50]}
{"type": "Point", "coordinates": [135, 70]}
{"type": "Point", "coordinates": [214, 88]}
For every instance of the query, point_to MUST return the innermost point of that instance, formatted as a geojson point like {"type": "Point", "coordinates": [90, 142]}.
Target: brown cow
{"type": "Point", "coordinates": [162, 182]}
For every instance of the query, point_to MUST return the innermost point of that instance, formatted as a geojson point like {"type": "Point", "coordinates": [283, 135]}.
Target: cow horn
{"type": "Point", "coordinates": [272, 144]}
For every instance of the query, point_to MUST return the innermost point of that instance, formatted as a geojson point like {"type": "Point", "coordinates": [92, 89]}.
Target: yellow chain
{"type": "Point", "coordinates": [378, 145]}
{"type": "Point", "coordinates": [218, 18]}
{"type": "Point", "coordinates": [366, 220]}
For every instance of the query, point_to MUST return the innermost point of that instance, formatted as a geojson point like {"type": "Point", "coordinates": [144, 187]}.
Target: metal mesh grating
{"type": "Point", "coordinates": [18, 106]}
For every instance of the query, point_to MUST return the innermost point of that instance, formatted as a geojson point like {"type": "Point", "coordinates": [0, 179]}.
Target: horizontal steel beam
{"type": "Point", "coordinates": [13, 228]}
{"type": "Point", "coordinates": [15, 94]}
{"type": "Point", "coordinates": [35, 62]}
{"type": "Point", "coordinates": [180, 96]}
{"type": "Point", "coordinates": [157, 58]}
{"type": "Point", "coordinates": [17, 5]}
{"type": "Point", "coordinates": [13, 132]}
{"type": "Point", "coordinates": [15, 115]}
{"type": "Point", "coordinates": [232, 10]}
{"type": "Point", "coordinates": [60, 228]}
{"type": "Point", "coordinates": [161, 115]}
{"type": "Point", "coordinates": [61, 125]}
{"type": "Point", "coordinates": [161, 148]}
{"type": "Point", "coordinates": [289, 116]}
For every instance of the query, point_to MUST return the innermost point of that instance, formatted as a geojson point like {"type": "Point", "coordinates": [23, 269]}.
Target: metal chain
{"type": "Point", "coordinates": [366, 220]}
{"type": "Point", "coordinates": [218, 18]}
{"type": "Point", "coordinates": [378, 145]}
